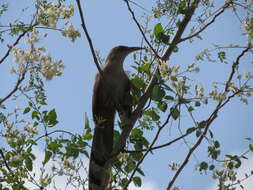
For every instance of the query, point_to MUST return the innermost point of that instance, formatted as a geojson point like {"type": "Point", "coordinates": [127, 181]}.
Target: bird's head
{"type": "Point", "coordinates": [119, 53]}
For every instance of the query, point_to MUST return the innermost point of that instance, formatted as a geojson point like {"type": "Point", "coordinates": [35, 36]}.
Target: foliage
{"type": "Point", "coordinates": [174, 95]}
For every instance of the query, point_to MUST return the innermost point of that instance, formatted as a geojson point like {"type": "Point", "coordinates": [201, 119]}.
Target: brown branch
{"type": "Point", "coordinates": [150, 147]}
{"type": "Point", "coordinates": [55, 131]}
{"type": "Point", "coordinates": [162, 145]}
{"type": "Point", "coordinates": [208, 24]}
{"type": "Point", "coordinates": [181, 29]}
{"type": "Point", "coordinates": [137, 112]}
{"type": "Point", "coordinates": [212, 117]}
{"type": "Point", "coordinates": [139, 27]}
{"type": "Point", "coordinates": [5, 162]}
{"type": "Point", "coordinates": [235, 64]}
{"type": "Point", "coordinates": [10, 47]}
{"type": "Point", "coordinates": [88, 37]}
{"type": "Point", "coordinates": [20, 79]}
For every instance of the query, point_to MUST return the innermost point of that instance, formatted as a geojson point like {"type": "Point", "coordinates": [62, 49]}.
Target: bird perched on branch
{"type": "Point", "coordinates": [111, 93]}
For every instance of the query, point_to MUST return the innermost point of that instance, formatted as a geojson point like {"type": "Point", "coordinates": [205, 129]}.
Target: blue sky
{"type": "Point", "coordinates": [109, 24]}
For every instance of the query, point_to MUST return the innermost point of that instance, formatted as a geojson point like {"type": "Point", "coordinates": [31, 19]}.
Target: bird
{"type": "Point", "coordinates": [111, 94]}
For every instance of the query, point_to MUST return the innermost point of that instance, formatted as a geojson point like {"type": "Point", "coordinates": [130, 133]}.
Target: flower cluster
{"type": "Point", "coordinates": [248, 25]}
{"type": "Point", "coordinates": [218, 96]}
{"type": "Point", "coordinates": [35, 59]}
{"type": "Point", "coordinates": [50, 13]}
{"type": "Point", "coordinates": [164, 69]}
{"type": "Point", "coordinates": [70, 32]}
{"type": "Point", "coordinates": [50, 69]}
{"type": "Point", "coordinates": [199, 91]}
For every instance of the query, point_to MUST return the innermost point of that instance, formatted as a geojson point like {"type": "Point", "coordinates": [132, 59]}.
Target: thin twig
{"type": "Point", "coordinates": [5, 162]}
{"type": "Point", "coordinates": [139, 26]}
{"type": "Point", "coordinates": [55, 131]}
{"type": "Point", "coordinates": [151, 145]}
{"type": "Point", "coordinates": [10, 47]}
{"type": "Point", "coordinates": [162, 145]}
{"type": "Point", "coordinates": [209, 120]}
{"type": "Point", "coordinates": [88, 37]}
{"type": "Point", "coordinates": [208, 24]}
{"type": "Point", "coordinates": [20, 79]}
{"type": "Point", "coordinates": [137, 112]}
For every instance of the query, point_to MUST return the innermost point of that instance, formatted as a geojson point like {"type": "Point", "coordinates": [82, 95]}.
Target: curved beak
{"type": "Point", "coordinates": [132, 49]}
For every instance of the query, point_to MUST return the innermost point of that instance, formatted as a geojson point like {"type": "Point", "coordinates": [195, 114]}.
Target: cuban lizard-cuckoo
{"type": "Point", "coordinates": [111, 93]}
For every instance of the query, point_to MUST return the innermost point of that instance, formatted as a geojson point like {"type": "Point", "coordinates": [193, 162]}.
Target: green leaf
{"type": "Point", "coordinates": [211, 167]}
{"type": "Point", "coordinates": [190, 108]}
{"type": "Point", "coordinates": [87, 136]}
{"type": "Point", "coordinates": [30, 141]}
{"type": "Point", "coordinates": [136, 132]}
{"type": "Point", "coordinates": [48, 155]}
{"type": "Point", "coordinates": [165, 38]}
{"type": "Point", "coordinates": [197, 104]}
{"type": "Point", "coordinates": [222, 56]}
{"type": "Point", "coordinates": [190, 130]}
{"type": "Point", "coordinates": [158, 30]}
{"type": "Point", "coordinates": [42, 102]}
{"type": "Point", "coordinates": [146, 67]}
{"type": "Point", "coordinates": [175, 113]}
{"type": "Point", "coordinates": [152, 113]}
{"type": "Point", "coordinates": [251, 147]}
{"type": "Point", "coordinates": [137, 181]}
{"type": "Point", "coordinates": [35, 115]}
{"type": "Point", "coordinates": [216, 144]}
{"type": "Point", "coordinates": [203, 166]}
{"type": "Point", "coordinates": [116, 136]}
{"type": "Point", "coordinates": [26, 110]}
{"type": "Point", "coordinates": [230, 165]}
{"type": "Point", "coordinates": [29, 163]}
{"type": "Point", "coordinates": [137, 156]}
{"type": "Point", "coordinates": [140, 171]}
{"type": "Point", "coordinates": [52, 116]}
{"type": "Point", "coordinates": [30, 104]}
{"type": "Point", "coordinates": [181, 7]}
{"type": "Point", "coordinates": [202, 124]}
{"type": "Point", "coordinates": [138, 82]}
{"type": "Point", "coordinates": [169, 97]}
{"type": "Point", "coordinates": [157, 93]}
{"type": "Point", "coordinates": [211, 133]}
{"type": "Point", "coordinates": [124, 181]}
{"type": "Point", "coordinates": [162, 106]}
{"type": "Point", "coordinates": [87, 123]}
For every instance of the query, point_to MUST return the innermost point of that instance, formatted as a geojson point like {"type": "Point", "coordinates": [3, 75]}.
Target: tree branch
{"type": "Point", "coordinates": [139, 27]}
{"type": "Point", "coordinates": [209, 121]}
{"type": "Point", "coordinates": [151, 145]}
{"type": "Point", "coordinates": [20, 79]}
{"type": "Point", "coordinates": [10, 47]}
{"type": "Point", "coordinates": [137, 112]}
{"type": "Point", "coordinates": [181, 29]}
{"type": "Point", "coordinates": [162, 145]}
{"type": "Point", "coordinates": [5, 162]}
{"type": "Point", "coordinates": [88, 37]}
{"type": "Point", "coordinates": [208, 24]}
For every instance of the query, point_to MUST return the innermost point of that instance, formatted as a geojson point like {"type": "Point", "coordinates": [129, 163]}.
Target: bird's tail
{"type": "Point", "coordinates": [99, 172]}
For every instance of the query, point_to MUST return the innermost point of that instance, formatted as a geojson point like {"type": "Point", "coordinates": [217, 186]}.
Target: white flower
{"type": "Point", "coordinates": [32, 130]}
{"type": "Point", "coordinates": [70, 32]}
{"type": "Point", "coordinates": [67, 12]}
{"type": "Point", "coordinates": [49, 69]}
{"type": "Point", "coordinates": [175, 68]}
{"type": "Point", "coordinates": [199, 91]}
{"type": "Point", "coordinates": [164, 69]}
{"type": "Point", "coordinates": [247, 75]}
{"type": "Point", "coordinates": [16, 158]}
{"type": "Point", "coordinates": [248, 25]}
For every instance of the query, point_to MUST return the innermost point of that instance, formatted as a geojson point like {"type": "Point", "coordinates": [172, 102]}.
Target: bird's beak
{"type": "Point", "coordinates": [132, 49]}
